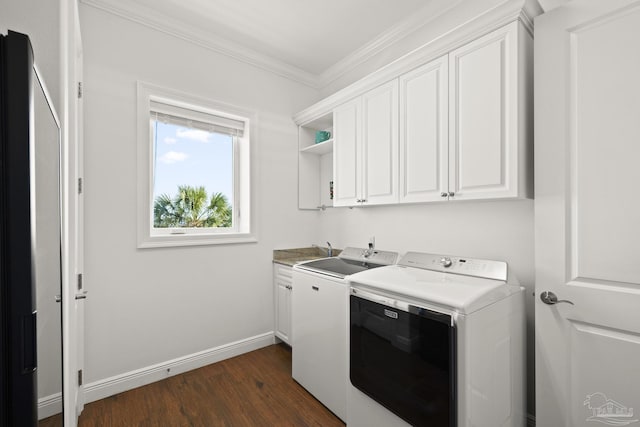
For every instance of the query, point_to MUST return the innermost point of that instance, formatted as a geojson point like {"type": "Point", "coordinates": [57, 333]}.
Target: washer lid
{"type": "Point", "coordinates": [464, 294]}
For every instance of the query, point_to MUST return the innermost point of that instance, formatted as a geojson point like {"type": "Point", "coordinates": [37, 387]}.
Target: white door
{"type": "Point", "coordinates": [483, 116]}
{"type": "Point", "coordinates": [587, 214]}
{"type": "Point", "coordinates": [380, 145]}
{"type": "Point", "coordinates": [346, 161]}
{"type": "Point", "coordinates": [424, 133]}
{"type": "Point", "coordinates": [73, 309]}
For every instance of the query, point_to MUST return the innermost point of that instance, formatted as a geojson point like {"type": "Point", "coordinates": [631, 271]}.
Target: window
{"type": "Point", "coordinates": [193, 170]}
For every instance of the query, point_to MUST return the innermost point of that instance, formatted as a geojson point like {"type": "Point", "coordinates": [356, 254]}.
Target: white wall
{"type": "Point", "coordinates": [41, 22]}
{"type": "Point", "coordinates": [149, 306]}
{"type": "Point", "coordinates": [152, 305]}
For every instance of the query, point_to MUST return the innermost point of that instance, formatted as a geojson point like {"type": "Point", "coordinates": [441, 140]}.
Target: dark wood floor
{"type": "Point", "coordinates": [254, 389]}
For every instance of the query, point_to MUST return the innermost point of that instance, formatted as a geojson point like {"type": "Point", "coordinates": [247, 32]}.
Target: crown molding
{"type": "Point", "coordinates": [131, 11]}
{"type": "Point", "coordinates": [527, 10]}
{"type": "Point", "coordinates": [423, 17]}
{"type": "Point", "coordinates": [465, 32]}
{"type": "Point", "coordinates": [523, 10]}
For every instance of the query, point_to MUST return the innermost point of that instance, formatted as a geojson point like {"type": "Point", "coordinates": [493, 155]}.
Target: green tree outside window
{"type": "Point", "coordinates": [191, 207]}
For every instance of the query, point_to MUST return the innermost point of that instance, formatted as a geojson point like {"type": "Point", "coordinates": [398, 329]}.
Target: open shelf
{"type": "Point", "coordinates": [320, 148]}
{"type": "Point", "coordinates": [315, 164]}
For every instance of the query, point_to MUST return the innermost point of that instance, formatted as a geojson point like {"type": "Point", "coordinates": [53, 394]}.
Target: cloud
{"type": "Point", "coordinates": [170, 141]}
{"type": "Point", "coordinates": [195, 134]}
{"type": "Point", "coordinates": [173, 157]}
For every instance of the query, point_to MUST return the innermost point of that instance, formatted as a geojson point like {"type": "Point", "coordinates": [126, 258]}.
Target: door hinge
{"type": "Point", "coordinates": [80, 281]}
{"type": "Point", "coordinates": [79, 185]}
{"type": "Point", "coordinates": [80, 377]}
{"type": "Point", "coordinates": [79, 89]}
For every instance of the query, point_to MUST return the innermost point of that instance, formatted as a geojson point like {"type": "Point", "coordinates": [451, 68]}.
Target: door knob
{"type": "Point", "coordinates": [82, 295]}
{"type": "Point", "coordinates": [443, 194]}
{"type": "Point", "coordinates": [550, 298]}
{"type": "Point", "coordinates": [58, 298]}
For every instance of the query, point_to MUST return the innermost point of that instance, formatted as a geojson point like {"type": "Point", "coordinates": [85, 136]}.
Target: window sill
{"type": "Point", "coordinates": [175, 240]}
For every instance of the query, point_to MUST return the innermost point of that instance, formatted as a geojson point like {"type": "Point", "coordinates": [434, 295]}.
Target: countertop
{"type": "Point", "coordinates": [294, 256]}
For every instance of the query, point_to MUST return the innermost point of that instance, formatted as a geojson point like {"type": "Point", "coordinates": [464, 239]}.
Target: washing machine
{"type": "Point", "coordinates": [436, 341]}
{"type": "Point", "coordinates": [320, 321]}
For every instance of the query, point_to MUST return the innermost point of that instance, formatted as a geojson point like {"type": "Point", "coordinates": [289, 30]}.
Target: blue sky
{"type": "Point", "coordinates": [185, 156]}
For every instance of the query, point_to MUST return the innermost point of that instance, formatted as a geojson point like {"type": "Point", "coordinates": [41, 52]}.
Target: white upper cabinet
{"type": "Point", "coordinates": [458, 127]}
{"type": "Point", "coordinates": [365, 160]}
{"type": "Point", "coordinates": [347, 121]}
{"type": "Point", "coordinates": [489, 116]}
{"type": "Point", "coordinates": [424, 132]}
{"type": "Point", "coordinates": [379, 151]}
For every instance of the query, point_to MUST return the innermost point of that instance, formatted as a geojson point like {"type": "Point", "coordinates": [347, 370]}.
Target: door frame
{"type": "Point", "coordinates": [72, 230]}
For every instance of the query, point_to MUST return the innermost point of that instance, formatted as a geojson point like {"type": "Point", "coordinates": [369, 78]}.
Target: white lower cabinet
{"type": "Point", "coordinates": [282, 281]}
{"type": "Point", "coordinates": [319, 320]}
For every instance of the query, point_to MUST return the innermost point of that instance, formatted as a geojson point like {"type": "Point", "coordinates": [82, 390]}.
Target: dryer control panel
{"type": "Point", "coordinates": [487, 269]}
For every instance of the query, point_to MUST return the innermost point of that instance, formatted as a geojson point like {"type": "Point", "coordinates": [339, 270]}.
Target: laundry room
{"type": "Point", "coordinates": [218, 157]}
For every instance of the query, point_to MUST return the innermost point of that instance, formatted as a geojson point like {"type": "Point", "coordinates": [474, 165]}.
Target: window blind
{"type": "Point", "coordinates": [189, 118]}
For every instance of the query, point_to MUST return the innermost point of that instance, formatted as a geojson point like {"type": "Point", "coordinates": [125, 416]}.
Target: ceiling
{"type": "Point", "coordinates": [303, 37]}
{"type": "Point", "coordinates": [310, 35]}
{"type": "Point", "coordinates": [310, 41]}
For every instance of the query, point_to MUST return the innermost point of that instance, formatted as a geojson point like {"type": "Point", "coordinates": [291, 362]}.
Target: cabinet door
{"type": "Point", "coordinates": [424, 133]}
{"type": "Point", "coordinates": [283, 312]}
{"type": "Point", "coordinates": [379, 152]}
{"type": "Point", "coordinates": [346, 161]}
{"type": "Point", "coordinates": [282, 296]}
{"type": "Point", "coordinates": [483, 116]}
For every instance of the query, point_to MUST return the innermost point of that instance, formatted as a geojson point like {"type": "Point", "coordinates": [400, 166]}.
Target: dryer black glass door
{"type": "Point", "coordinates": [404, 361]}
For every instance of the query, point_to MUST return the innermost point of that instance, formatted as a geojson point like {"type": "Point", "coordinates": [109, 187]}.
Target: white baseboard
{"type": "Point", "coordinates": [49, 405]}
{"type": "Point", "coordinates": [129, 380]}
{"type": "Point", "coordinates": [531, 420]}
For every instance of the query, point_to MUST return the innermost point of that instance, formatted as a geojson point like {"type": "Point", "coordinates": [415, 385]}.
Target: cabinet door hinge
{"type": "Point", "coordinates": [79, 185]}
{"type": "Point", "coordinates": [79, 89]}
{"type": "Point", "coordinates": [80, 377]}
{"type": "Point", "coordinates": [80, 281]}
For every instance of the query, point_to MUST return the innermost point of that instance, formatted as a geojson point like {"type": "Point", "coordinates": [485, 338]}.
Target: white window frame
{"type": "Point", "coordinates": [244, 218]}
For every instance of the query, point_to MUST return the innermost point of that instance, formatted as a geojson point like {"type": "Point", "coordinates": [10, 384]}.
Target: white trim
{"type": "Point", "coordinates": [140, 15]}
{"type": "Point", "coordinates": [195, 240]}
{"type": "Point", "coordinates": [245, 190]}
{"type": "Point", "coordinates": [129, 380]}
{"type": "Point", "coordinates": [72, 233]}
{"type": "Point", "coordinates": [49, 405]}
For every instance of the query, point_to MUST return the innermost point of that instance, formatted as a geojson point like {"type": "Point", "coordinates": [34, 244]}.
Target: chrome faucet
{"type": "Point", "coordinates": [329, 248]}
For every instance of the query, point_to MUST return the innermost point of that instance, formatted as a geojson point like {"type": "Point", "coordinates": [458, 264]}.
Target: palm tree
{"type": "Point", "coordinates": [190, 208]}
